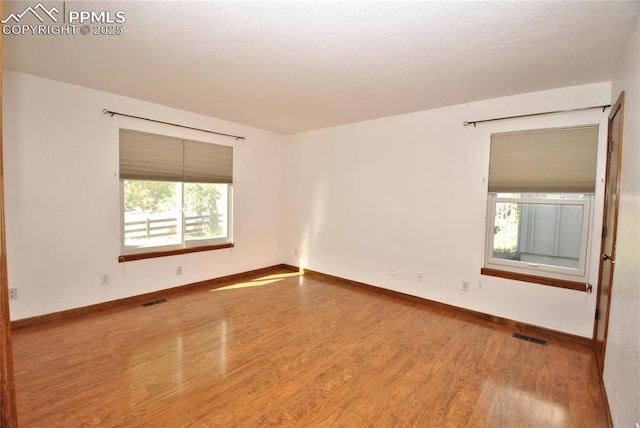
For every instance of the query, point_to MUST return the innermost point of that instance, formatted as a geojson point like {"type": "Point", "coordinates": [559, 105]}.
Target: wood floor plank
{"type": "Point", "coordinates": [294, 350]}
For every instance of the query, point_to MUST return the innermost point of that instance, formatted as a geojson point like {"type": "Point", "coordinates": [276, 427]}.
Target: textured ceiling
{"type": "Point", "coordinates": [294, 66]}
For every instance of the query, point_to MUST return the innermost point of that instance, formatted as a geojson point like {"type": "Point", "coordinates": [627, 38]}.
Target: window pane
{"type": "Point", "coordinates": [152, 213]}
{"type": "Point", "coordinates": [206, 210]}
{"type": "Point", "coordinates": [546, 234]}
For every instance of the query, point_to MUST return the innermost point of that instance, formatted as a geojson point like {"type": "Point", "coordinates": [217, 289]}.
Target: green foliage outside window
{"type": "Point", "coordinates": [149, 196]}
{"type": "Point", "coordinates": [505, 239]}
{"type": "Point", "coordinates": [200, 200]}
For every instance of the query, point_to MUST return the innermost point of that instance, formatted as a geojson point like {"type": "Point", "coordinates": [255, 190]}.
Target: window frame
{"type": "Point", "coordinates": [536, 272]}
{"type": "Point", "coordinates": [186, 245]}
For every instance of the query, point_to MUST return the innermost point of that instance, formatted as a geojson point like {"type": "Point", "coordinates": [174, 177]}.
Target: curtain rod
{"type": "Point", "coordinates": [237, 137]}
{"type": "Point", "coordinates": [474, 122]}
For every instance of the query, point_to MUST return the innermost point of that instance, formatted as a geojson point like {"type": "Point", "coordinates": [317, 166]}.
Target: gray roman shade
{"type": "Point", "coordinates": [549, 161]}
{"type": "Point", "coordinates": [146, 156]}
{"type": "Point", "coordinates": [207, 163]}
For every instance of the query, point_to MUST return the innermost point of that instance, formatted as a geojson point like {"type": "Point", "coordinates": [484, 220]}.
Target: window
{"type": "Point", "coordinates": [542, 232]}
{"type": "Point", "coordinates": [541, 186]}
{"type": "Point", "coordinates": [176, 194]}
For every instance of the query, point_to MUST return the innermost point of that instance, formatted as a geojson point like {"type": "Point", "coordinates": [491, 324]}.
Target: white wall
{"type": "Point", "coordinates": [622, 358]}
{"type": "Point", "coordinates": [410, 191]}
{"type": "Point", "coordinates": [62, 197]}
{"type": "Point", "coordinates": [407, 191]}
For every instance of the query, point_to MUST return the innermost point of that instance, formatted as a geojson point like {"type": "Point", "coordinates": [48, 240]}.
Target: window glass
{"type": "Point", "coordinates": [164, 215]}
{"type": "Point", "coordinates": [539, 232]}
{"type": "Point", "coordinates": [205, 208]}
{"type": "Point", "coordinates": [151, 213]}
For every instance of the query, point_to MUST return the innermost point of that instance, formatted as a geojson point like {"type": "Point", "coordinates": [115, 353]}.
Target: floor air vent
{"type": "Point", "coordinates": [530, 339]}
{"type": "Point", "coordinates": [155, 302]}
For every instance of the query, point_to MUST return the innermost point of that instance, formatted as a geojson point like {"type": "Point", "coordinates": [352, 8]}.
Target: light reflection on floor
{"type": "Point", "coordinates": [542, 413]}
{"type": "Point", "coordinates": [265, 280]}
{"type": "Point", "coordinates": [213, 364]}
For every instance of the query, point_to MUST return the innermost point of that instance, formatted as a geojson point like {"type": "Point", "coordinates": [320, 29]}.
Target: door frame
{"type": "Point", "coordinates": [618, 108]}
{"type": "Point", "coordinates": [8, 412]}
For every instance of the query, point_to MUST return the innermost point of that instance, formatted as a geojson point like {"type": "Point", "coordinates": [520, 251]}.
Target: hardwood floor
{"type": "Point", "coordinates": [291, 350]}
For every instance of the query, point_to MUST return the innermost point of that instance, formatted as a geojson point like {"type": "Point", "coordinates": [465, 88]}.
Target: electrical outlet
{"type": "Point", "coordinates": [179, 270]}
{"type": "Point", "coordinates": [13, 294]}
{"type": "Point", "coordinates": [419, 276]}
{"type": "Point", "coordinates": [465, 286]}
{"type": "Point", "coordinates": [295, 252]}
{"type": "Point", "coordinates": [104, 279]}
{"type": "Point", "coordinates": [392, 271]}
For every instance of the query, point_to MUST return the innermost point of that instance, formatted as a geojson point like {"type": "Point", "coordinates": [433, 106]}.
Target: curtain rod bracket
{"type": "Point", "coordinates": [112, 113]}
